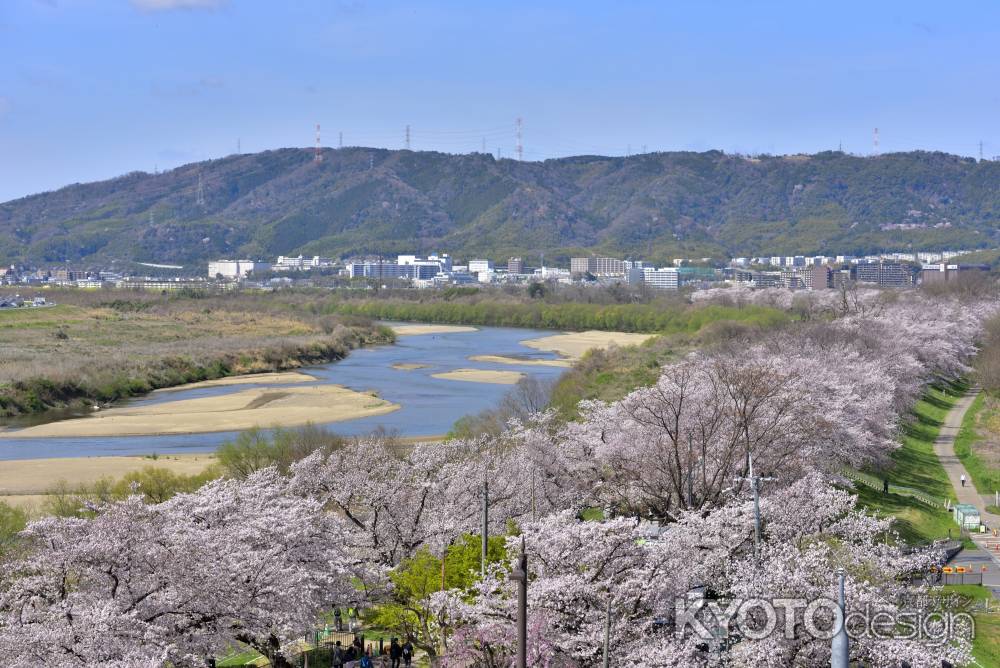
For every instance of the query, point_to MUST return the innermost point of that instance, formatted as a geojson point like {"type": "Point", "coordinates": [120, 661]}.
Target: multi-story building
{"type": "Point", "coordinates": [602, 266]}
{"type": "Point", "coordinates": [480, 266]}
{"type": "Point", "coordinates": [818, 277]}
{"type": "Point", "coordinates": [884, 274]}
{"type": "Point", "coordinates": [581, 265]}
{"type": "Point", "coordinates": [236, 268]}
{"type": "Point", "coordinates": [515, 265]}
{"type": "Point", "coordinates": [68, 275]}
{"type": "Point", "coordinates": [942, 273]}
{"type": "Point", "coordinates": [666, 278]}
{"type": "Point", "coordinates": [300, 263]}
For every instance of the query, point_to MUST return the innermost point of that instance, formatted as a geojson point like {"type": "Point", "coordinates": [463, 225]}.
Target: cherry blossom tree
{"type": "Point", "coordinates": [177, 581]}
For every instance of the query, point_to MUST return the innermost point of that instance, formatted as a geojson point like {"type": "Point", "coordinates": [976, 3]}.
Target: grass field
{"type": "Point", "coordinates": [916, 465]}
{"type": "Point", "coordinates": [986, 644]}
{"type": "Point", "coordinates": [976, 442]}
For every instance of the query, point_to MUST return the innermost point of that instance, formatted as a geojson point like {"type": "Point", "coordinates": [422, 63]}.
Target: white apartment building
{"type": "Point", "coordinates": [477, 266]}
{"type": "Point", "coordinates": [666, 278]}
{"type": "Point", "coordinates": [236, 268]}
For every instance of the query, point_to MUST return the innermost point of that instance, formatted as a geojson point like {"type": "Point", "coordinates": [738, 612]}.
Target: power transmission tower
{"type": "Point", "coordinates": [340, 140]}
{"type": "Point", "coordinates": [520, 144]}
{"type": "Point", "coordinates": [239, 147]}
{"type": "Point", "coordinates": [317, 157]}
{"type": "Point", "coordinates": [407, 137]}
{"type": "Point", "coordinates": [980, 150]}
{"type": "Point", "coordinates": [875, 141]}
{"type": "Point", "coordinates": [200, 197]}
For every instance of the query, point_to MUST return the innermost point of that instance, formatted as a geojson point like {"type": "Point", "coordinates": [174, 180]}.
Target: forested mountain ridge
{"type": "Point", "coordinates": [656, 206]}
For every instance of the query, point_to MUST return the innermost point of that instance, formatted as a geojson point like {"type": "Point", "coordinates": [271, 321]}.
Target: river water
{"type": "Point", "coordinates": [429, 406]}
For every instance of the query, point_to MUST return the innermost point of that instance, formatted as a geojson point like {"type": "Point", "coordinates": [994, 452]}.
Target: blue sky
{"type": "Point", "coordinates": [92, 89]}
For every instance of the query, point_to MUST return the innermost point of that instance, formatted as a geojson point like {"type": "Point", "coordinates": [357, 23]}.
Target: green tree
{"type": "Point", "coordinates": [408, 614]}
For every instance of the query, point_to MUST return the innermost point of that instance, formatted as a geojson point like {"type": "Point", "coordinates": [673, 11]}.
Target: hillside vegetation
{"type": "Point", "coordinates": [366, 201]}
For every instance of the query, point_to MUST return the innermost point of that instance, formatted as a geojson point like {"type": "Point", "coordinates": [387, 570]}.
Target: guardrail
{"type": "Point", "coordinates": [877, 484]}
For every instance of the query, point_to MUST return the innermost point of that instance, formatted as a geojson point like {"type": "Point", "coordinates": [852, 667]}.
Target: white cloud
{"type": "Point", "coordinates": [168, 5]}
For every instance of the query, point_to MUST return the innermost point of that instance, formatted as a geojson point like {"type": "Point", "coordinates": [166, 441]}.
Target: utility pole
{"type": "Point", "coordinates": [840, 645]}
{"type": "Point", "coordinates": [486, 526]}
{"type": "Point", "coordinates": [755, 481]}
{"type": "Point", "coordinates": [520, 576]}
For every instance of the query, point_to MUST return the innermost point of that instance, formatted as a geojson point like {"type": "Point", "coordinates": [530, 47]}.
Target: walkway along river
{"type": "Point", "coordinates": [429, 406]}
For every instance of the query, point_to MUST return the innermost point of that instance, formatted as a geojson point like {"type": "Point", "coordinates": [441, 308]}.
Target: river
{"type": "Point", "coordinates": [429, 406]}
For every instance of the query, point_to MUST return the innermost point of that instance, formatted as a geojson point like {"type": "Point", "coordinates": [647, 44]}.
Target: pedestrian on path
{"type": "Point", "coordinates": [962, 478]}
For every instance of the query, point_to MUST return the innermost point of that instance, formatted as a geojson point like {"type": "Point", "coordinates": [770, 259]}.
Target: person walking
{"type": "Point", "coordinates": [407, 653]}
{"type": "Point", "coordinates": [395, 653]}
{"type": "Point", "coordinates": [962, 478]}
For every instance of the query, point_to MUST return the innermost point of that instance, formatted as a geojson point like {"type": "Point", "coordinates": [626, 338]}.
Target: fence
{"type": "Point", "coordinates": [877, 484]}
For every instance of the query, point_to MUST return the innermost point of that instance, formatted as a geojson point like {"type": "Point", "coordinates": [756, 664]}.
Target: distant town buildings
{"type": "Point", "coordinates": [515, 265]}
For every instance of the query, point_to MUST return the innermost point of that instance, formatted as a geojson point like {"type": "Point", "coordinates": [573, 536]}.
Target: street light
{"type": "Point", "coordinates": [840, 645]}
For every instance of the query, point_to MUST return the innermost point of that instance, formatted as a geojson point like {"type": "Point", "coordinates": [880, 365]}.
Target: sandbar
{"type": "Point", "coordinates": [574, 344]}
{"type": "Point", "coordinates": [270, 378]}
{"type": "Point", "coordinates": [412, 330]}
{"type": "Point", "coordinates": [28, 477]}
{"type": "Point", "coordinates": [263, 407]}
{"type": "Point", "coordinates": [481, 376]}
{"type": "Point", "coordinates": [409, 366]}
{"type": "Point", "coordinates": [503, 359]}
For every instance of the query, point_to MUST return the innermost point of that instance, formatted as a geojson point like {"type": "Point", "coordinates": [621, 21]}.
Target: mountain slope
{"type": "Point", "coordinates": [655, 205]}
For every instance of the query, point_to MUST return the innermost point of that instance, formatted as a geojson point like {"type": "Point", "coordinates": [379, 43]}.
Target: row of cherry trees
{"type": "Point", "coordinates": [254, 560]}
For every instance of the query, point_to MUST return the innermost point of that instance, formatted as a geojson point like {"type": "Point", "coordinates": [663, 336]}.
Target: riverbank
{"type": "Point", "coordinates": [97, 348]}
{"type": "Point", "coordinates": [26, 482]}
{"type": "Point", "coordinates": [666, 316]}
{"type": "Point", "coordinates": [237, 411]}
{"type": "Point", "coordinates": [574, 345]}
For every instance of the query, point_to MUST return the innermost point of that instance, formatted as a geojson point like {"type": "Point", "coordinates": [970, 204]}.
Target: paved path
{"type": "Point", "coordinates": [944, 448]}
